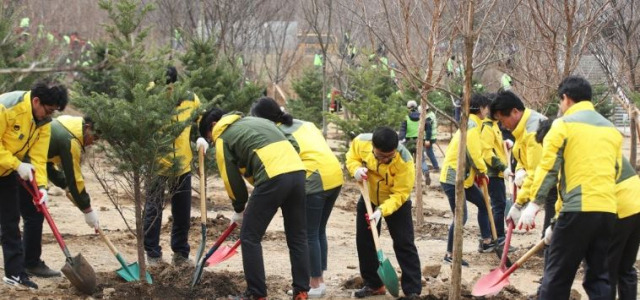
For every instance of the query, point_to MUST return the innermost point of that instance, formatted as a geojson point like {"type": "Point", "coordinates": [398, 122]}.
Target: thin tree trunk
{"type": "Point", "coordinates": [634, 137]}
{"type": "Point", "coordinates": [139, 228]}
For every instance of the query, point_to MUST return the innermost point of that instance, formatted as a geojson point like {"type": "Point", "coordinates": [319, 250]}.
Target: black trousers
{"type": "Point", "coordinates": [400, 226]}
{"type": "Point", "coordinates": [15, 202]}
{"type": "Point", "coordinates": [498, 195]}
{"type": "Point", "coordinates": [622, 256]}
{"type": "Point", "coordinates": [286, 192]}
{"type": "Point", "coordinates": [180, 192]}
{"type": "Point", "coordinates": [549, 208]}
{"type": "Point", "coordinates": [578, 236]}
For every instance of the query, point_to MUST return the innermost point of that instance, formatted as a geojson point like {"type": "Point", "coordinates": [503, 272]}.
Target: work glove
{"type": "Point", "coordinates": [202, 143]}
{"type": "Point", "coordinates": [520, 176]}
{"type": "Point", "coordinates": [375, 216]}
{"type": "Point", "coordinates": [44, 197]}
{"type": "Point", "coordinates": [514, 213]}
{"type": "Point", "coordinates": [91, 218]}
{"type": "Point", "coordinates": [237, 218]}
{"type": "Point", "coordinates": [507, 172]}
{"type": "Point", "coordinates": [25, 170]}
{"type": "Point", "coordinates": [528, 218]}
{"type": "Point", "coordinates": [547, 235]}
{"type": "Point", "coordinates": [508, 143]}
{"type": "Point", "coordinates": [403, 141]}
{"type": "Point", "coordinates": [482, 179]}
{"type": "Point", "coordinates": [360, 174]}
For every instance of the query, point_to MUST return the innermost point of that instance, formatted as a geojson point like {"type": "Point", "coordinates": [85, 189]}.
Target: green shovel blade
{"type": "Point", "coordinates": [130, 272]}
{"type": "Point", "coordinates": [388, 274]}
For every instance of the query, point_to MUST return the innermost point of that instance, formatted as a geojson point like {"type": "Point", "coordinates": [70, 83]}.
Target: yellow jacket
{"type": "Point", "coordinates": [322, 166]}
{"type": "Point", "coordinates": [585, 150]}
{"type": "Point", "coordinates": [527, 151]}
{"type": "Point", "coordinates": [474, 164]}
{"type": "Point", "coordinates": [182, 144]}
{"type": "Point", "coordinates": [493, 148]}
{"type": "Point", "coordinates": [23, 138]}
{"type": "Point", "coordinates": [390, 184]}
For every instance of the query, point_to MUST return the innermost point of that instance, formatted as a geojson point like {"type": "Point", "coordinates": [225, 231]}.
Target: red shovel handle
{"type": "Point", "coordinates": [507, 242]}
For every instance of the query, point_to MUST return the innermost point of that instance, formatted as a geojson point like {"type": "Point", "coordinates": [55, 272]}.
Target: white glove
{"type": "Point", "coordinates": [520, 176]}
{"type": "Point", "coordinates": [528, 218]}
{"type": "Point", "coordinates": [360, 174]}
{"type": "Point", "coordinates": [25, 170]}
{"type": "Point", "coordinates": [237, 217]}
{"type": "Point", "coordinates": [202, 143]}
{"type": "Point", "coordinates": [507, 173]}
{"type": "Point", "coordinates": [547, 235]}
{"type": "Point", "coordinates": [514, 213]}
{"type": "Point", "coordinates": [44, 198]}
{"type": "Point", "coordinates": [508, 143]}
{"type": "Point", "coordinates": [91, 218]}
{"type": "Point", "coordinates": [402, 141]}
{"type": "Point", "coordinates": [375, 216]}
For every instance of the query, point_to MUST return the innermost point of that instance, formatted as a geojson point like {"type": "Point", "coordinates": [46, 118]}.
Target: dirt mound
{"type": "Point", "coordinates": [215, 227]}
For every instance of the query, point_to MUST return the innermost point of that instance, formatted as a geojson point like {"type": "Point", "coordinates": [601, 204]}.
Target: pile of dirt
{"type": "Point", "coordinates": [215, 227]}
{"type": "Point", "coordinates": [174, 282]}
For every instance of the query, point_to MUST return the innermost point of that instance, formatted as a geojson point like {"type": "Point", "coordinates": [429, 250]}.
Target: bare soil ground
{"type": "Point", "coordinates": [226, 278]}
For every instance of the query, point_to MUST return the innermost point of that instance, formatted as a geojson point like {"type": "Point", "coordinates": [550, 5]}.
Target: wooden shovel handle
{"type": "Point", "coordinates": [529, 253]}
{"type": "Point", "coordinates": [487, 203]}
{"type": "Point", "coordinates": [203, 192]}
{"type": "Point", "coordinates": [107, 241]}
{"type": "Point", "coordinates": [364, 190]}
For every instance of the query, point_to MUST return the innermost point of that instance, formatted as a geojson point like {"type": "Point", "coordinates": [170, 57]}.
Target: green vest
{"type": "Point", "coordinates": [412, 128]}
{"type": "Point", "coordinates": [317, 60]}
{"type": "Point", "coordinates": [506, 81]}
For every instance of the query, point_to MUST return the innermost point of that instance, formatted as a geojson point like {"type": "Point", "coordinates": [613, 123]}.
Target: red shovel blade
{"type": "Point", "coordinates": [223, 254]}
{"type": "Point", "coordinates": [491, 284]}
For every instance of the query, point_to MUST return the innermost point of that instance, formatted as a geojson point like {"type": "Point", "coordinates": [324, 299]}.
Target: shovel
{"type": "Point", "coordinates": [223, 254]}
{"type": "Point", "coordinates": [197, 274]}
{"type": "Point", "coordinates": [130, 272]}
{"type": "Point", "coordinates": [492, 283]}
{"type": "Point", "coordinates": [76, 269]}
{"type": "Point", "coordinates": [501, 254]}
{"type": "Point", "coordinates": [386, 271]}
{"type": "Point", "coordinates": [203, 205]}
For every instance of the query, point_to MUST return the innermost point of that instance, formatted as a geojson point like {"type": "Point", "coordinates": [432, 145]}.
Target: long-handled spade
{"type": "Point", "coordinates": [223, 254]}
{"type": "Point", "coordinates": [76, 268]}
{"type": "Point", "coordinates": [203, 205]}
{"type": "Point", "coordinates": [202, 262]}
{"type": "Point", "coordinates": [386, 271]}
{"type": "Point", "coordinates": [494, 234]}
{"type": "Point", "coordinates": [129, 272]}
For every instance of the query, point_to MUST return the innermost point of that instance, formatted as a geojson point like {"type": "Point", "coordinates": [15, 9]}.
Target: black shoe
{"type": "Point", "coordinates": [20, 281]}
{"type": "Point", "coordinates": [369, 291]}
{"type": "Point", "coordinates": [410, 297]}
{"type": "Point", "coordinates": [449, 260]}
{"type": "Point", "coordinates": [501, 246]}
{"type": "Point", "coordinates": [42, 270]}
{"type": "Point", "coordinates": [486, 248]}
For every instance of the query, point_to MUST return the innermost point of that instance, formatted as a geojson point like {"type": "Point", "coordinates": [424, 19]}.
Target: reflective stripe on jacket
{"type": "Point", "coordinates": [583, 152]}
{"type": "Point", "coordinates": [390, 184]}
{"type": "Point", "coordinates": [474, 164]}
{"type": "Point", "coordinates": [323, 168]}
{"type": "Point", "coordinates": [23, 138]}
{"type": "Point", "coordinates": [253, 149]}
{"type": "Point", "coordinates": [528, 151]}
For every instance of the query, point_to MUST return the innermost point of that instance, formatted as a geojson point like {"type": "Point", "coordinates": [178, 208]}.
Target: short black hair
{"type": "Point", "coordinates": [504, 102]}
{"type": "Point", "coordinates": [385, 139]}
{"type": "Point", "coordinates": [53, 94]}
{"type": "Point", "coordinates": [576, 88]}
{"type": "Point", "coordinates": [478, 101]}
{"type": "Point", "coordinates": [86, 120]}
{"type": "Point", "coordinates": [267, 108]}
{"type": "Point", "coordinates": [543, 129]}
{"type": "Point", "coordinates": [213, 115]}
{"type": "Point", "coordinates": [172, 74]}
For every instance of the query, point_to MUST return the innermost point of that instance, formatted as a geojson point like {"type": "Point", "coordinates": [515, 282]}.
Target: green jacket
{"type": "Point", "coordinates": [65, 152]}
{"type": "Point", "coordinates": [251, 149]}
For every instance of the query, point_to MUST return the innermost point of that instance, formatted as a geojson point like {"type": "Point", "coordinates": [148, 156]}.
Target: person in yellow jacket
{"type": "Point", "coordinates": [523, 124]}
{"type": "Point", "coordinates": [25, 130]}
{"type": "Point", "coordinates": [387, 167]}
{"type": "Point", "coordinates": [322, 187]}
{"type": "Point", "coordinates": [255, 150]}
{"type": "Point", "coordinates": [475, 167]}
{"type": "Point", "coordinates": [582, 154]}
{"type": "Point", "coordinates": [178, 179]}
{"type": "Point", "coordinates": [626, 238]}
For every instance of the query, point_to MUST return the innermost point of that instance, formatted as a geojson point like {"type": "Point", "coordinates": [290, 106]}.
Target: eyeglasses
{"type": "Point", "coordinates": [383, 155]}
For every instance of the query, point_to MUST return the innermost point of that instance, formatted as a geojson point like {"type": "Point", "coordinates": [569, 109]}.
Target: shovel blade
{"type": "Point", "coordinates": [80, 274]}
{"type": "Point", "coordinates": [221, 255]}
{"type": "Point", "coordinates": [131, 273]}
{"type": "Point", "coordinates": [490, 284]}
{"type": "Point", "coordinates": [388, 275]}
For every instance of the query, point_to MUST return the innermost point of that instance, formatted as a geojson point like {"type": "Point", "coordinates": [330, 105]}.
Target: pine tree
{"type": "Point", "coordinates": [308, 105]}
{"type": "Point", "coordinates": [133, 116]}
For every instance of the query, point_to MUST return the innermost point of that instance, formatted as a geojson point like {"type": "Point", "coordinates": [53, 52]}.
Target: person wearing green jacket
{"type": "Point", "coordinates": [255, 150]}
